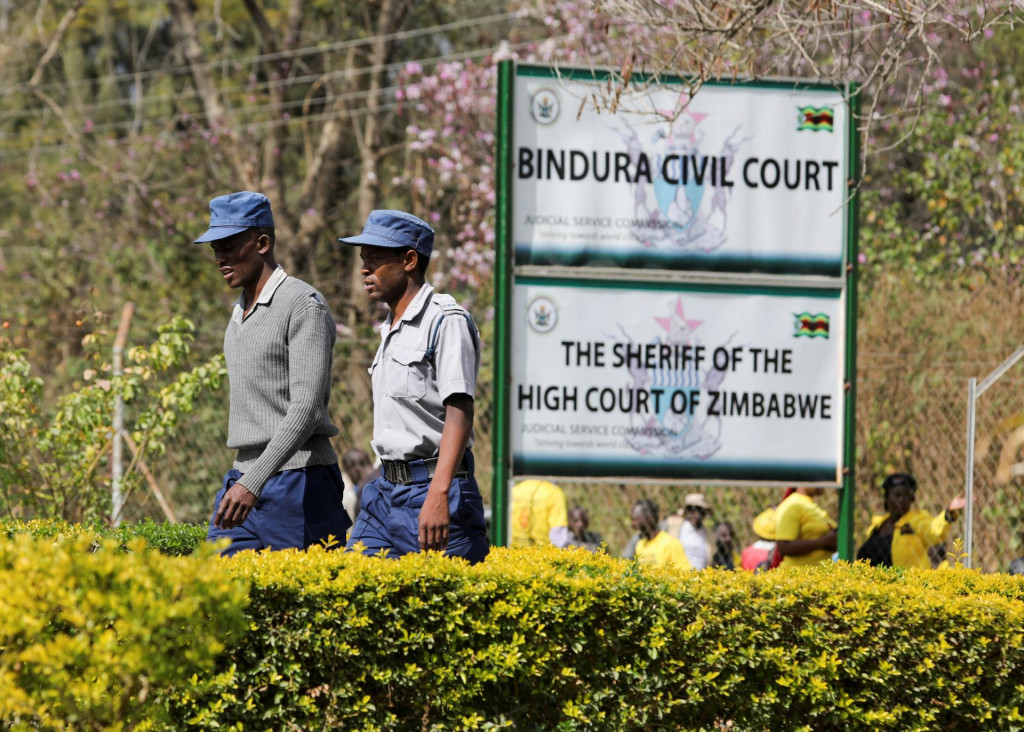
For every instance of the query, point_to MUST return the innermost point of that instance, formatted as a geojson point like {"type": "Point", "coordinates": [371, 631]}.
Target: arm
{"type": "Point", "coordinates": [935, 530]}
{"type": "Point", "coordinates": [457, 362]}
{"type": "Point", "coordinates": [788, 538]}
{"type": "Point", "coordinates": [311, 340]}
{"type": "Point", "coordinates": [435, 516]}
{"type": "Point", "coordinates": [800, 547]}
{"type": "Point", "coordinates": [932, 529]}
{"type": "Point", "coordinates": [559, 536]}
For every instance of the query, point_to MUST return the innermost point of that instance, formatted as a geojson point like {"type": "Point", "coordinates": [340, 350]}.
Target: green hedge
{"type": "Point", "coordinates": [549, 639]}
{"type": "Point", "coordinates": [167, 538]}
{"type": "Point", "coordinates": [552, 639]}
{"type": "Point", "coordinates": [91, 635]}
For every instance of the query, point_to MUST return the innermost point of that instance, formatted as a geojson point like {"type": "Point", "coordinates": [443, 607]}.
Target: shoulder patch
{"type": "Point", "coordinates": [447, 303]}
{"type": "Point", "coordinates": [312, 301]}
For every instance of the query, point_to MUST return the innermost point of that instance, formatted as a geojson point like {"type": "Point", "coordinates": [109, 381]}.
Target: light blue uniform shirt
{"type": "Point", "coordinates": [409, 388]}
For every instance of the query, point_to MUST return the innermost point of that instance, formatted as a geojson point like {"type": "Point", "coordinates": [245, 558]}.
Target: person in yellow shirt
{"type": "Point", "coordinates": [538, 513]}
{"type": "Point", "coordinates": [901, 536]}
{"type": "Point", "coordinates": [804, 533]}
{"type": "Point", "coordinates": [655, 546]}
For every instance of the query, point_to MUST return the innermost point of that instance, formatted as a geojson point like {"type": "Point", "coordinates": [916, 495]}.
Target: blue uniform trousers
{"type": "Point", "coordinates": [389, 515]}
{"type": "Point", "coordinates": [296, 508]}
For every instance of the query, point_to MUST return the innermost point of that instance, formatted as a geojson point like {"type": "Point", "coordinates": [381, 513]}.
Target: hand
{"type": "Point", "coordinates": [956, 505]}
{"type": "Point", "coordinates": [234, 507]}
{"type": "Point", "coordinates": [434, 521]}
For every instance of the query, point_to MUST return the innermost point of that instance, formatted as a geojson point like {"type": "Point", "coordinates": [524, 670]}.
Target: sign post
{"type": "Point", "coordinates": [675, 290]}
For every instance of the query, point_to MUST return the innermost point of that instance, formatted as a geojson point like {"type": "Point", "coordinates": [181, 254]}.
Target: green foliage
{"type": "Point", "coordinates": [167, 538]}
{"type": "Point", "coordinates": [97, 636]}
{"type": "Point", "coordinates": [948, 197]}
{"type": "Point", "coordinates": [51, 461]}
{"type": "Point", "coordinates": [91, 636]}
{"type": "Point", "coordinates": [19, 397]}
{"type": "Point", "coordinates": [110, 157]}
{"type": "Point", "coordinates": [568, 640]}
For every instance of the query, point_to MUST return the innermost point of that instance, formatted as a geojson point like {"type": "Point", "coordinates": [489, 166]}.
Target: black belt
{"type": "Point", "coordinates": [418, 471]}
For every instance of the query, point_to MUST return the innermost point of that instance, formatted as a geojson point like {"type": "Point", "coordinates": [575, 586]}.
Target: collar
{"type": "Point", "coordinates": [878, 520]}
{"type": "Point", "coordinates": [418, 304]}
{"type": "Point", "coordinates": [277, 278]}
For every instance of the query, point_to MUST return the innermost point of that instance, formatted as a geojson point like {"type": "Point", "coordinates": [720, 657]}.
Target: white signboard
{"type": "Point", "coordinates": [746, 179]}
{"type": "Point", "coordinates": [676, 381]}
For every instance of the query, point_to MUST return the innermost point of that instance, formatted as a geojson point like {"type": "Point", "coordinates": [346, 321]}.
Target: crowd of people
{"type": "Point", "coordinates": [795, 532]}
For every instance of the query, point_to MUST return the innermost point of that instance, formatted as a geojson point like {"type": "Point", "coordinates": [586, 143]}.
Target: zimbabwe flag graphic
{"type": "Point", "coordinates": [815, 118]}
{"type": "Point", "coordinates": [811, 325]}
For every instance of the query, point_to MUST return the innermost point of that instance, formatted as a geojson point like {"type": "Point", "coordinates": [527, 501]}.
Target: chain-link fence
{"type": "Point", "coordinates": [910, 417]}
{"type": "Point", "coordinates": [914, 418]}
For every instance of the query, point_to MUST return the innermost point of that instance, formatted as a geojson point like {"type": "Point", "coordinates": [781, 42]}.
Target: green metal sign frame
{"type": "Point", "coordinates": [505, 278]}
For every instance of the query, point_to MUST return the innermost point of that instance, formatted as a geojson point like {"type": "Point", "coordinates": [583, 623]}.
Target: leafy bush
{"type": "Point", "coordinates": [946, 197]}
{"type": "Point", "coordinates": [167, 538]}
{"type": "Point", "coordinates": [51, 461]}
{"type": "Point", "coordinates": [540, 638]}
{"type": "Point", "coordinates": [91, 635]}
{"type": "Point", "coordinates": [563, 639]}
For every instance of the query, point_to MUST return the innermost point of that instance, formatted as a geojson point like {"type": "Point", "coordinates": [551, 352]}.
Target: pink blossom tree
{"type": "Point", "coordinates": [894, 51]}
{"type": "Point", "coordinates": [451, 113]}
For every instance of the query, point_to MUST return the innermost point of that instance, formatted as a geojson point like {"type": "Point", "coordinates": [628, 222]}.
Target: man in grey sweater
{"type": "Point", "coordinates": [285, 487]}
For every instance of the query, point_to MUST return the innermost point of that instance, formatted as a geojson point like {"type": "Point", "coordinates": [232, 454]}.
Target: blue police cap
{"type": "Point", "coordinates": [386, 228]}
{"type": "Point", "coordinates": [234, 213]}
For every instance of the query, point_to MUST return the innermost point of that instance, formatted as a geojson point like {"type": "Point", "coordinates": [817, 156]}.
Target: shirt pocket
{"type": "Point", "coordinates": [407, 371]}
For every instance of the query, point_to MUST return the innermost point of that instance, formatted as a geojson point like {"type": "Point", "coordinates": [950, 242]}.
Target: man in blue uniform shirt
{"type": "Point", "coordinates": [424, 381]}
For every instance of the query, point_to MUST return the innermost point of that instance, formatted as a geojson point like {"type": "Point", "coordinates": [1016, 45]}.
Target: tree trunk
{"type": "Point", "coordinates": [218, 117]}
{"type": "Point", "coordinates": [392, 12]}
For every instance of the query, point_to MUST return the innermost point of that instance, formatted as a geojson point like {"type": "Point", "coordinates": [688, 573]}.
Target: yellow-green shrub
{"type": "Point", "coordinates": [557, 639]}
{"type": "Point", "coordinates": [167, 538]}
{"type": "Point", "coordinates": [91, 636]}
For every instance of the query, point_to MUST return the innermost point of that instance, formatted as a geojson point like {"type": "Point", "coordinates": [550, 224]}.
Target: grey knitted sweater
{"type": "Point", "coordinates": [279, 366]}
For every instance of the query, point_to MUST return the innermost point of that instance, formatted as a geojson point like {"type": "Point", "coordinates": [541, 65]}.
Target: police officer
{"type": "Point", "coordinates": [284, 489]}
{"type": "Point", "coordinates": [424, 381]}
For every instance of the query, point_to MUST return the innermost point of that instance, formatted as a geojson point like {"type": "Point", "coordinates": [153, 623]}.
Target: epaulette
{"type": "Point", "coordinates": [448, 307]}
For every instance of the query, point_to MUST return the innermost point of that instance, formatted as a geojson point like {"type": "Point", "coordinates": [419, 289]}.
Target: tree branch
{"type": "Point", "coordinates": [55, 41]}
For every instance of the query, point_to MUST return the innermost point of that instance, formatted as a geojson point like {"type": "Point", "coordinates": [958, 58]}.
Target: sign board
{"type": "Point", "coordinates": [677, 382]}
{"type": "Point", "coordinates": [746, 178]}
{"type": "Point", "coordinates": [675, 291]}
